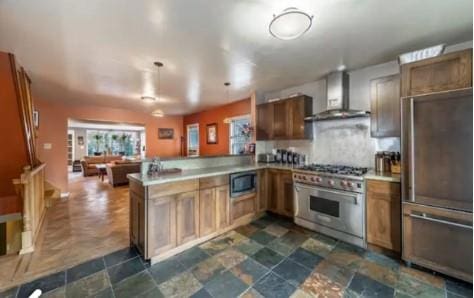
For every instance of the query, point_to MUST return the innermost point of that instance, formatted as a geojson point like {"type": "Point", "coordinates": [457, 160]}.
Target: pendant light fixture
{"type": "Point", "coordinates": [290, 24]}
{"type": "Point", "coordinates": [158, 113]}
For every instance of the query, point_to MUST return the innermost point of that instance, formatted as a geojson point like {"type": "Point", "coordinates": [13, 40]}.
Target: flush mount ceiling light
{"type": "Point", "coordinates": [157, 113]}
{"type": "Point", "coordinates": [227, 84]}
{"type": "Point", "coordinates": [148, 99]}
{"type": "Point", "coordinates": [291, 23]}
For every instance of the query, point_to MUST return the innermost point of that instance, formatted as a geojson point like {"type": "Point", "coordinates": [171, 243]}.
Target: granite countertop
{"type": "Point", "coordinates": [203, 172]}
{"type": "Point", "coordinates": [382, 176]}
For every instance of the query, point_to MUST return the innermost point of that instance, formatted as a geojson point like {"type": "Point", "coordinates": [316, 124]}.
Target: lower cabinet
{"type": "Point", "coordinates": [161, 225]}
{"type": "Point", "coordinates": [280, 192]}
{"type": "Point", "coordinates": [187, 217]}
{"type": "Point", "coordinates": [223, 207]}
{"type": "Point", "coordinates": [242, 206]}
{"type": "Point", "coordinates": [137, 220]}
{"type": "Point", "coordinates": [384, 214]}
{"type": "Point", "coordinates": [262, 190]}
{"type": "Point", "coordinates": [207, 212]}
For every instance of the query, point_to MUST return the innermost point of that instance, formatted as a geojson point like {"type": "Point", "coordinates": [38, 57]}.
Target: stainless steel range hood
{"type": "Point", "coordinates": [337, 99]}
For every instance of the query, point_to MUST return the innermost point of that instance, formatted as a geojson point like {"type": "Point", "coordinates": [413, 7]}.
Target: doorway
{"type": "Point", "coordinates": [193, 139]}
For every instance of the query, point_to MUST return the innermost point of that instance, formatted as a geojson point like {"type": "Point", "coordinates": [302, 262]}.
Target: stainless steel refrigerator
{"type": "Point", "coordinates": [437, 181]}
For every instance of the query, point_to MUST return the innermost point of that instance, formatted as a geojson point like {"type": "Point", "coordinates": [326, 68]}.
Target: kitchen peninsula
{"type": "Point", "coordinates": [172, 212]}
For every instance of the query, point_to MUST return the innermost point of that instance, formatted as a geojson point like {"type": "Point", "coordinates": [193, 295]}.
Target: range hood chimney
{"type": "Point", "coordinates": [337, 84]}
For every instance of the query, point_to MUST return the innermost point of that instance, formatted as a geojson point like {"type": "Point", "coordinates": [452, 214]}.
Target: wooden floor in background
{"type": "Point", "coordinates": [93, 221]}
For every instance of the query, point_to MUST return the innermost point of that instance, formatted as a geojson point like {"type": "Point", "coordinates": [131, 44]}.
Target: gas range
{"type": "Point", "coordinates": [332, 176]}
{"type": "Point", "coordinates": [331, 200]}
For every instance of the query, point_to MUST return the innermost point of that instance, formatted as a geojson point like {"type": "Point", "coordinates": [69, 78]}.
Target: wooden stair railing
{"type": "Point", "coordinates": [30, 187]}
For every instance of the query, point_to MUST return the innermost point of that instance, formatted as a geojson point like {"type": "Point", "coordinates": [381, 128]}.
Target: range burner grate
{"type": "Point", "coordinates": [335, 169]}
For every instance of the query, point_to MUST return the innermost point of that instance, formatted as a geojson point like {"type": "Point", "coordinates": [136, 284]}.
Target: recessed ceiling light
{"type": "Point", "coordinates": [148, 99]}
{"type": "Point", "coordinates": [227, 84]}
{"type": "Point", "coordinates": [291, 23]}
{"type": "Point", "coordinates": [157, 113]}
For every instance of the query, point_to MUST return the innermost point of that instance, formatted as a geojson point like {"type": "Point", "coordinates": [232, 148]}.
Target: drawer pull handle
{"type": "Point", "coordinates": [424, 217]}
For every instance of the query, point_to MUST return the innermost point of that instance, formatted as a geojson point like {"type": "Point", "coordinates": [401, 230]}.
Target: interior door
{"type": "Point", "coordinates": [438, 149]}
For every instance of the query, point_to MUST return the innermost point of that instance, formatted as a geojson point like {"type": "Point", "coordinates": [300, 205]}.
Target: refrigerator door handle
{"type": "Point", "coordinates": [425, 217]}
{"type": "Point", "coordinates": [412, 149]}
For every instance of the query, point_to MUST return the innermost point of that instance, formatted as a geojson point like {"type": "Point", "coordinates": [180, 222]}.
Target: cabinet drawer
{"type": "Point", "coordinates": [214, 181]}
{"type": "Point", "coordinates": [171, 188]}
{"type": "Point", "coordinates": [439, 239]}
{"type": "Point", "coordinates": [383, 187]}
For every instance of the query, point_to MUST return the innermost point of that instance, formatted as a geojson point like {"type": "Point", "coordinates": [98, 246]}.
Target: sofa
{"type": "Point", "coordinates": [117, 171]}
{"type": "Point", "coordinates": [89, 163]}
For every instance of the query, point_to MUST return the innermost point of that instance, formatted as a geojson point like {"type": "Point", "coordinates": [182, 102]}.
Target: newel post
{"type": "Point", "coordinates": [27, 193]}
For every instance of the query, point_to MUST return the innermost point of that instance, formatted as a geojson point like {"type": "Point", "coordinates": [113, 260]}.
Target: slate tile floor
{"type": "Point", "coordinates": [270, 257]}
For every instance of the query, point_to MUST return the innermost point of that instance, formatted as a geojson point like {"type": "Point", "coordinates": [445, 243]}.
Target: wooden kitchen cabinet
{"type": "Point", "coordinates": [446, 72]}
{"type": "Point", "coordinates": [264, 129]}
{"type": "Point", "coordinates": [384, 214]}
{"type": "Point", "coordinates": [284, 119]}
{"type": "Point", "coordinates": [223, 207]}
{"type": "Point", "coordinates": [280, 120]}
{"type": "Point", "coordinates": [262, 190]}
{"type": "Point", "coordinates": [385, 106]}
{"type": "Point", "coordinates": [280, 192]}
{"type": "Point", "coordinates": [161, 225]}
{"type": "Point", "coordinates": [286, 195]}
{"type": "Point", "coordinates": [298, 109]}
{"type": "Point", "coordinates": [187, 217]}
{"type": "Point", "coordinates": [207, 212]}
{"type": "Point", "coordinates": [137, 220]}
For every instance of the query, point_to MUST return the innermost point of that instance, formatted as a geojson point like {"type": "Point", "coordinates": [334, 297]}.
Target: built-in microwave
{"type": "Point", "coordinates": [242, 183]}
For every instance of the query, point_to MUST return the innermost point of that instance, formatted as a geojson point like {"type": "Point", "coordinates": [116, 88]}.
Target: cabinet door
{"type": "Point", "coordinates": [280, 120]}
{"type": "Point", "coordinates": [207, 211]}
{"type": "Point", "coordinates": [187, 216]}
{"type": "Point", "coordinates": [161, 225]}
{"type": "Point", "coordinates": [383, 214]}
{"type": "Point", "coordinates": [286, 205]}
{"type": "Point", "coordinates": [446, 72]}
{"type": "Point", "coordinates": [298, 109]}
{"type": "Point", "coordinates": [137, 221]}
{"type": "Point", "coordinates": [262, 192]}
{"type": "Point", "coordinates": [223, 206]}
{"type": "Point", "coordinates": [273, 189]}
{"type": "Point", "coordinates": [264, 122]}
{"type": "Point", "coordinates": [385, 106]}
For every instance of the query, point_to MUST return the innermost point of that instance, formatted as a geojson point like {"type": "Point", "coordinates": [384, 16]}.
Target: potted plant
{"type": "Point", "coordinates": [98, 140]}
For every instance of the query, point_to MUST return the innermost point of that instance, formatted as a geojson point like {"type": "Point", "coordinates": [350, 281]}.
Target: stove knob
{"type": "Point", "coordinates": [312, 179]}
{"type": "Point", "coordinates": [350, 184]}
{"type": "Point", "coordinates": [331, 182]}
{"type": "Point", "coordinates": [304, 177]}
{"type": "Point", "coordinates": [344, 183]}
{"type": "Point", "coordinates": [318, 179]}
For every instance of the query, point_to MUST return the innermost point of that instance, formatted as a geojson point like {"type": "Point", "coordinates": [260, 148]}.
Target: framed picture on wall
{"type": "Point", "coordinates": [36, 118]}
{"type": "Point", "coordinates": [211, 133]}
{"type": "Point", "coordinates": [166, 133]}
{"type": "Point", "coordinates": [80, 140]}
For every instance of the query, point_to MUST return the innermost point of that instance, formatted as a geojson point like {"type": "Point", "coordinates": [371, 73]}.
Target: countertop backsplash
{"type": "Point", "coordinates": [346, 142]}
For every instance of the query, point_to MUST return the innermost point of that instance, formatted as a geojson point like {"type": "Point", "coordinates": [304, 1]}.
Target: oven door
{"type": "Point", "coordinates": [339, 210]}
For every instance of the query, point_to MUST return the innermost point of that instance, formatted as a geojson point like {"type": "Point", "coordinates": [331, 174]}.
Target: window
{"type": "Point", "coordinates": [193, 139]}
{"type": "Point", "coordinates": [238, 137]}
{"type": "Point", "coordinates": [113, 142]}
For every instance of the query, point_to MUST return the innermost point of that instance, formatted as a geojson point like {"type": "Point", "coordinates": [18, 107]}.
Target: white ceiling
{"type": "Point", "coordinates": [102, 51]}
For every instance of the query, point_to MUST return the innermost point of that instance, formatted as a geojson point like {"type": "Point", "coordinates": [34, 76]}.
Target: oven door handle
{"type": "Point", "coordinates": [353, 199]}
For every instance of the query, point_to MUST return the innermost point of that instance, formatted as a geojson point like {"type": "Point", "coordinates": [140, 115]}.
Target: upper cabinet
{"type": "Point", "coordinates": [385, 106]}
{"type": "Point", "coordinates": [284, 119]}
{"type": "Point", "coordinates": [447, 72]}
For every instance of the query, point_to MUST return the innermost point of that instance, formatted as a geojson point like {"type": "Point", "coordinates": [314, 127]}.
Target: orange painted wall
{"type": "Point", "coordinates": [53, 130]}
{"type": "Point", "coordinates": [216, 115]}
{"type": "Point", "coordinates": [13, 154]}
